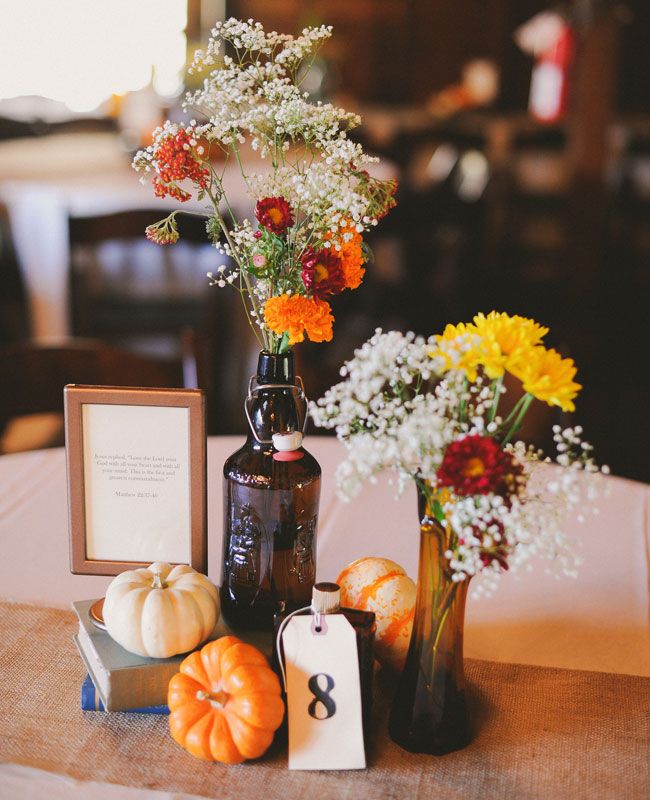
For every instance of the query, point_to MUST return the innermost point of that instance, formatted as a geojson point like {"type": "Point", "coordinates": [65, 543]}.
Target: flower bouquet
{"type": "Point", "coordinates": [430, 411]}
{"type": "Point", "coordinates": [309, 183]}
{"type": "Point", "coordinates": [313, 200]}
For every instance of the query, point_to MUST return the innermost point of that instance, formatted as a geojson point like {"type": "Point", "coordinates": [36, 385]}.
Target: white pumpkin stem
{"type": "Point", "coordinates": [218, 699]}
{"type": "Point", "coordinates": [158, 582]}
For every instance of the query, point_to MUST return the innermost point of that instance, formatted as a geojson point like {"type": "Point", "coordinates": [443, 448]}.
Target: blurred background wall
{"type": "Point", "coordinates": [534, 206]}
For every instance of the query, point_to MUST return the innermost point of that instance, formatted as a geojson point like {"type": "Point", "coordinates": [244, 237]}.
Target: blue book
{"type": "Point", "coordinates": [91, 701]}
{"type": "Point", "coordinates": [123, 680]}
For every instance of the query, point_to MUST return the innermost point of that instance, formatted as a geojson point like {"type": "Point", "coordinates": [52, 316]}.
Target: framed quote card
{"type": "Point", "coordinates": [136, 477]}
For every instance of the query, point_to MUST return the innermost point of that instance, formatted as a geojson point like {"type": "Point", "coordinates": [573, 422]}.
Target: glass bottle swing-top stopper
{"type": "Point", "coordinates": [288, 445]}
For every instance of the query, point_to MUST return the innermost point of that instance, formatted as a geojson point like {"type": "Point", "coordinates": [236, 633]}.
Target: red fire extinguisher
{"type": "Point", "coordinates": [549, 85]}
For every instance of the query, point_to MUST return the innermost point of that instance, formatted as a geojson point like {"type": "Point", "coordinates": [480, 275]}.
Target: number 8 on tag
{"type": "Point", "coordinates": [323, 695]}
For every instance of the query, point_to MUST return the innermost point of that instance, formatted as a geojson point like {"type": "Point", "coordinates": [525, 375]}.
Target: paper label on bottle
{"type": "Point", "coordinates": [323, 694]}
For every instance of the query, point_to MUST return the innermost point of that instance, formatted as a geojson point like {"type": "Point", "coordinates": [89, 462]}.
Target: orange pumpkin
{"type": "Point", "coordinates": [382, 586]}
{"type": "Point", "coordinates": [225, 702]}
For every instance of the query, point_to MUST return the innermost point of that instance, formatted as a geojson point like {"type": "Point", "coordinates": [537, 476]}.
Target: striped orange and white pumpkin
{"type": "Point", "coordinates": [382, 586]}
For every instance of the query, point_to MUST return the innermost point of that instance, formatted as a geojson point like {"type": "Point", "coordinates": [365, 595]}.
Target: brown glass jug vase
{"type": "Point", "coordinates": [270, 506]}
{"type": "Point", "coordinates": [429, 712]}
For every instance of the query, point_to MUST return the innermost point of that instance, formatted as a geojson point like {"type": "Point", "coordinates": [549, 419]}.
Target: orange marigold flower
{"type": "Point", "coordinates": [351, 255]}
{"type": "Point", "coordinates": [297, 316]}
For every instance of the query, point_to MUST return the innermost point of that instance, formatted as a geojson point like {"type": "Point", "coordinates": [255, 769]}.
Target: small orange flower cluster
{"type": "Point", "coordinates": [351, 256]}
{"type": "Point", "coordinates": [177, 161]}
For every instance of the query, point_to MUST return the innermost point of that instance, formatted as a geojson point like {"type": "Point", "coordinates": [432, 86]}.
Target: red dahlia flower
{"type": "Point", "coordinates": [478, 465]}
{"type": "Point", "coordinates": [322, 272]}
{"type": "Point", "coordinates": [275, 214]}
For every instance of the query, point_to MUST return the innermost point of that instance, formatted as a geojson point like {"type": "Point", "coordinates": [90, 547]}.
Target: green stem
{"type": "Point", "coordinates": [283, 346]}
{"type": "Point", "coordinates": [496, 388]}
{"type": "Point", "coordinates": [223, 196]}
{"type": "Point", "coordinates": [514, 412]}
{"type": "Point", "coordinates": [242, 271]}
{"type": "Point", "coordinates": [449, 599]}
{"type": "Point", "coordinates": [462, 408]}
{"type": "Point", "coordinates": [445, 593]}
{"type": "Point", "coordinates": [528, 399]}
{"type": "Point", "coordinates": [235, 150]}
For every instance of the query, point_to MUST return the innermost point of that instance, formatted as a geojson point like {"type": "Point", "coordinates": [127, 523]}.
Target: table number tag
{"type": "Point", "coordinates": [323, 693]}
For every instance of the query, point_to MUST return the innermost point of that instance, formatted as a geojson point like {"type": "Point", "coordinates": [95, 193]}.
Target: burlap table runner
{"type": "Point", "coordinates": [539, 733]}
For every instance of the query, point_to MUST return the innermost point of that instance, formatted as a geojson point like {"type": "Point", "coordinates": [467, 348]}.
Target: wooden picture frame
{"type": "Point", "coordinates": [136, 465]}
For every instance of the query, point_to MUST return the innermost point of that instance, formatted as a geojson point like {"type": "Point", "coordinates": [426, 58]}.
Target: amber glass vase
{"type": "Point", "coordinates": [429, 713]}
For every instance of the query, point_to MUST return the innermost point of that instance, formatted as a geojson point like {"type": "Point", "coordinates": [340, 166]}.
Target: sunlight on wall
{"type": "Point", "coordinates": [80, 52]}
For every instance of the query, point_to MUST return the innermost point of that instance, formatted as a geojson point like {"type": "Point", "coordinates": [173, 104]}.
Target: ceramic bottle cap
{"type": "Point", "coordinates": [287, 441]}
{"type": "Point", "coordinates": [326, 598]}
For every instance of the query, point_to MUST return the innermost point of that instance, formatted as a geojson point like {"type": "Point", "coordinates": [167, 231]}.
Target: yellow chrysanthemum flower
{"type": "Point", "coordinates": [505, 340]}
{"type": "Point", "coordinates": [548, 377]}
{"type": "Point", "coordinates": [457, 346]}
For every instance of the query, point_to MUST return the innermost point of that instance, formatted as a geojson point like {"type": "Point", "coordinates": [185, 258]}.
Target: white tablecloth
{"type": "Point", "coordinates": [598, 621]}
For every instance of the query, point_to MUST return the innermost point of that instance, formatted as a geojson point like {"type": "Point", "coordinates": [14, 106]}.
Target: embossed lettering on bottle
{"type": "Point", "coordinates": [244, 556]}
{"type": "Point", "coordinates": [304, 560]}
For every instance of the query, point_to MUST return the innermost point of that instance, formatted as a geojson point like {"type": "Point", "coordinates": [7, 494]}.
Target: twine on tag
{"type": "Point", "coordinates": [319, 624]}
{"type": "Point", "coordinates": [278, 639]}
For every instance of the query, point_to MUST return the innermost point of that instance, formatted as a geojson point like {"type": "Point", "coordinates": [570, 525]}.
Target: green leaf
{"type": "Point", "coordinates": [284, 342]}
{"type": "Point", "coordinates": [213, 229]}
{"type": "Point", "coordinates": [368, 255]}
{"type": "Point", "coordinates": [438, 511]}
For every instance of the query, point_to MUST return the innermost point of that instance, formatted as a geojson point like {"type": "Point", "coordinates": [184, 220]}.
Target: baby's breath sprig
{"type": "Point", "coordinates": [318, 178]}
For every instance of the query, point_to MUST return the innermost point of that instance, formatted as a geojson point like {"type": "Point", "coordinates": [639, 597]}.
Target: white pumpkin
{"type": "Point", "coordinates": [161, 610]}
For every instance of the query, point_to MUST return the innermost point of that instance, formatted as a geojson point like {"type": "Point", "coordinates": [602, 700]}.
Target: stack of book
{"type": "Point", "coordinates": [121, 681]}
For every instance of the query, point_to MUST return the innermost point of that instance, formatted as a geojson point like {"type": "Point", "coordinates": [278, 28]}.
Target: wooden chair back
{"type": "Point", "coordinates": [32, 374]}
{"type": "Point", "coordinates": [136, 288]}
